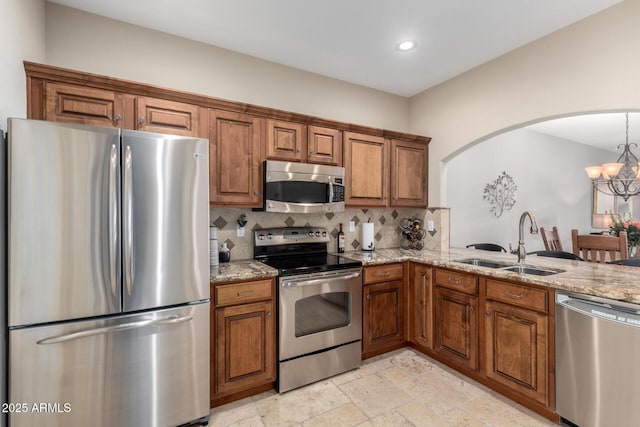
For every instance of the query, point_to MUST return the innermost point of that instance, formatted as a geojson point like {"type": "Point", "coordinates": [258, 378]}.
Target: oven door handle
{"type": "Point", "coordinates": [310, 281]}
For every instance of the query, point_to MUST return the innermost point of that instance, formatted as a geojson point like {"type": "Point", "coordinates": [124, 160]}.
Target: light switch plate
{"type": "Point", "coordinates": [239, 231]}
{"type": "Point", "coordinates": [352, 226]}
{"type": "Point", "coordinates": [430, 226]}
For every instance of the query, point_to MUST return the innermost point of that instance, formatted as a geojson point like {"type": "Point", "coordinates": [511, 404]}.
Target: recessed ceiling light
{"type": "Point", "coordinates": [406, 45]}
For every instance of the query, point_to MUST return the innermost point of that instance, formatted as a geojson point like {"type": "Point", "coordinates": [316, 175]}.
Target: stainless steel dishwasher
{"type": "Point", "coordinates": [597, 361]}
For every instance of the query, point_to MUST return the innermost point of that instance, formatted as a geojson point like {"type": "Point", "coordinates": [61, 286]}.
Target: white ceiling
{"type": "Point", "coordinates": [354, 40]}
{"type": "Point", "coordinates": [605, 131]}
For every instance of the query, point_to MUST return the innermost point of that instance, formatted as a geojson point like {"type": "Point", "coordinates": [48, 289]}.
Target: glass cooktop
{"type": "Point", "coordinates": [304, 264]}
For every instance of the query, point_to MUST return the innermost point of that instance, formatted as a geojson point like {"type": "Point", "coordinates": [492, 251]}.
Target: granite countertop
{"type": "Point", "coordinates": [607, 281]}
{"type": "Point", "coordinates": [616, 282]}
{"type": "Point", "coordinates": [240, 270]}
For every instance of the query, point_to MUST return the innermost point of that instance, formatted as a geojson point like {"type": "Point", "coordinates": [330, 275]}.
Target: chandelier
{"type": "Point", "coordinates": [621, 178]}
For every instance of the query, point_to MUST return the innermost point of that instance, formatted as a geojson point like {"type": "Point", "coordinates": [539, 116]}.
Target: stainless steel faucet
{"type": "Point", "coordinates": [521, 251]}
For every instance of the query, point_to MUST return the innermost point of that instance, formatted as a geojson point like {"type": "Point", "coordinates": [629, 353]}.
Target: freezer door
{"type": "Point", "coordinates": [165, 216]}
{"type": "Point", "coordinates": [148, 369]}
{"type": "Point", "coordinates": [63, 230]}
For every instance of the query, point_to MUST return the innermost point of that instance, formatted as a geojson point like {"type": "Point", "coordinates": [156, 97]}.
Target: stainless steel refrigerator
{"type": "Point", "coordinates": [107, 276]}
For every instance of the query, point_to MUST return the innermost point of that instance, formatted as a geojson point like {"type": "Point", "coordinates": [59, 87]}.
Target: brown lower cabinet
{"type": "Point", "coordinates": [243, 350]}
{"type": "Point", "coordinates": [383, 323]}
{"type": "Point", "coordinates": [517, 338]}
{"type": "Point", "coordinates": [421, 306]}
{"type": "Point", "coordinates": [498, 332]}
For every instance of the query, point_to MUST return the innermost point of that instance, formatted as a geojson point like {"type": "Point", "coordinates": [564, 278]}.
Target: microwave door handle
{"type": "Point", "coordinates": [330, 191]}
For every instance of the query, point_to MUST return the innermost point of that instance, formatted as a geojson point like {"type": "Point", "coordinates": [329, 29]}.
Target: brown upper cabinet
{"type": "Point", "coordinates": [409, 162]}
{"type": "Point", "coordinates": [383, 168]}
{"type": "Point", "coordinates": [285, 141]}
{"type": "Point", "coordinates": [162, 116]}
{"type": "Point", "coordinates": [366, 160]}
{"type": "Point", "coordinates": [371, 171]}
{"type": "Point", "coordinates": [295, 142]}
{"type": "Point", "coordinates": [325, 145]}
{"type": "Point", "coordinates": [97, 107]}
{"type": "Point", "coordinates": [84, 105]}
{"type": "Point", "coordinates": [235, 159]}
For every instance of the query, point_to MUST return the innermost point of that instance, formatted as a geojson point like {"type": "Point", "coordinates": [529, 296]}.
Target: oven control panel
{"type": "Point", "coordinates": [289, 235]}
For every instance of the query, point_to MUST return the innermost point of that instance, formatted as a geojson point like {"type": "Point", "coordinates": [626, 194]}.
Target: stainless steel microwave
{"type": "Point", "coordinates": [303, 187]}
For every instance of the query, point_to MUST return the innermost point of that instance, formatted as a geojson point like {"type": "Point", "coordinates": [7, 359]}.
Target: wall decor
{"type": "Point", "coordinates": [501, 194]}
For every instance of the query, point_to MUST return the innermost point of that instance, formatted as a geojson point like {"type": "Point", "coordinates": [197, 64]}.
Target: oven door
{"type": "Point", "coordinates": [319, 311]}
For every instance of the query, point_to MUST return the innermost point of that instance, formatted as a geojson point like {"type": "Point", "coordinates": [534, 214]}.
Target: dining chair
{"type": "Point", "coordinates": [557, 254]}
{"type": "Point", "coordinates": [551, 239]}
{"type": "Point", "coordinates": [487, 247]}
{"type": "Point", "coordinates": [595, 248]}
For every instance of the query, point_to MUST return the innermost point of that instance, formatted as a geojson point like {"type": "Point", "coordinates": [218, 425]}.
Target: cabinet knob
{"type": "Point", "coordinates": [312, 152]}
{"type": "Point", "coordinates": [298, 150]}
{"type": "Point", "coordinates": [471, 308]}
{"type": "Point", "coordinates": [255, 193]}
{"type": "Point", "coordinates": [369, 296]}
{"type": "Point", "coordinates": [140, 120]}
{"type": "Point", "coordinates": [488, 313]}
{"type": "Point", "coordinates": [269, 314]}
{"type": "Point", "coordinates": [117, 118]}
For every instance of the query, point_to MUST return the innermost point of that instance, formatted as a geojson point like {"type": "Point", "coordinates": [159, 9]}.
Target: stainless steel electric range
{"type": "Point", "coordinates": [319, 305]}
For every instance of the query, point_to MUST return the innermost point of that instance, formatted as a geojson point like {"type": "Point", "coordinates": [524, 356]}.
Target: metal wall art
{"type": "Point", "coordinates": [501, 194]}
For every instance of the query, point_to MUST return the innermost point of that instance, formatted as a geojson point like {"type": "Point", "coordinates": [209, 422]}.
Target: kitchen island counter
{"type": "Point", "coordinates": [616, 282]}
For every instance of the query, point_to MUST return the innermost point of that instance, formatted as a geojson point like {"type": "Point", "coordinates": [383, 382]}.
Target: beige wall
{"type": "Point", "coordinates": [91, 43]}
{"type": "Point", "coordinates": [22, 35]}
{"type": "Point", "coordinates": [592, 65]}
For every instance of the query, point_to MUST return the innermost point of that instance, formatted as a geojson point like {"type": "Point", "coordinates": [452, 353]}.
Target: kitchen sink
{"type": "Point", "coordinates": [482, 263]}
{"type": "Point", "coordinates": [516, 268]}
{"type": "Point", "coordinates": [525, 269]}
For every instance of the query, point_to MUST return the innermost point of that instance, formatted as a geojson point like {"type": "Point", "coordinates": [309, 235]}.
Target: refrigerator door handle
{"type": "Point", "coordinates": [115, 328]}
{"type": "Point", "coordinates": [113, 219]}
{"type": "Point", "coordinates": [127, 201]}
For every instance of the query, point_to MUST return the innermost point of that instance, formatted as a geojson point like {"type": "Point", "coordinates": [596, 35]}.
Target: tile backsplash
{"type": "Point", "coordinates": [386, 225]}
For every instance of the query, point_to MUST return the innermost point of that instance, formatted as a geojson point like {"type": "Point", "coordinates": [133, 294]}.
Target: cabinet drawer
{"type": "Point", "coordinates": [383, 273]}
{"type": "Point", "coordinates": [243, 292]}
{"type": "Point", "coordinates": [519, 295]}
{"type": "Point", "coordinates": [462, 282]}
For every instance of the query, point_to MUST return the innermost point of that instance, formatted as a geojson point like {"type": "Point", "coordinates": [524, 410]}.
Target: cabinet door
{"type": "Point", "coordinates": [516, 350]}
{"type": "Point", "coordinates": [285, 141]}
{"type": "Point", "coordinates": [456, 327]}
{"type": "Point", "coordinates": [325, 146]}
{"type": "Point", "coordinates": [79, 104]}
{"type": "Point", "coordinates": [421, 329]}
{"type": "Point", "coordinates": [383, 316]}
{"type": "Point", "coordinates": [245, 347]}
{"type": "Point", "coordinates": [235, 159]}
{"type": "Point", "coordinates": [409, 163]}
{"type": "Point", "coordinates": [162, 116]}
{"type": "Point", "coordinates": [367, 168]}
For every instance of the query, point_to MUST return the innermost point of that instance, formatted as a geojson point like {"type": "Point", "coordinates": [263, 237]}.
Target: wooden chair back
{"type": "Point", "coordinates": [551, 239]}
{"type": "Point", "coordinates": [595, 248]}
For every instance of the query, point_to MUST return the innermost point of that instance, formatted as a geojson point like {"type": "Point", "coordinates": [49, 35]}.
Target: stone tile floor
{"type": "Point", "coordinates": [402, 388]}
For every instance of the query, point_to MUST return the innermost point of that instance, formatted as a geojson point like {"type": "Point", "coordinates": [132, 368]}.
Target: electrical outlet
{"type": "Point", "coordinates": [352, 226]}
{"type": "Point", "coordinates": [239, 231]}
